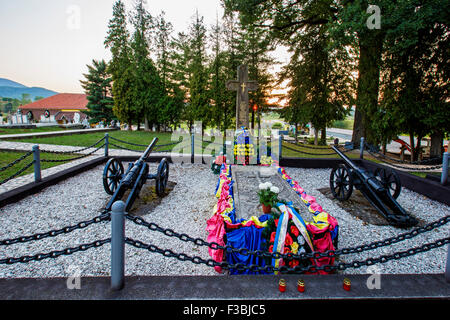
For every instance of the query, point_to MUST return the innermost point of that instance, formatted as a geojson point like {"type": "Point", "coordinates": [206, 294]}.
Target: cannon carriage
{"type": "Point", "coordinates": [381, 188]}
{"type": "Point", "coordinates": [117, 182]}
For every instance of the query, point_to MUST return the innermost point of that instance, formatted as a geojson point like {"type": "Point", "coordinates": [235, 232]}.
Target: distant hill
{"type": "Point", "coordinates": [12, 89]}
{"type": "Point", "coordinates": [9, 83]}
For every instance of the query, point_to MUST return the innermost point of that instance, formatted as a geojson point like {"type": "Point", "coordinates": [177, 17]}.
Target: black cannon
{"type": "Point", "coordinates": [381, 188]}
{"type": "Point", "coordinates": [116, 182]}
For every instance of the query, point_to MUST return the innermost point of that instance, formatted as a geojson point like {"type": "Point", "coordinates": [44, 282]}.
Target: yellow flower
{"type": "Point", "coordinates": [294, 247]}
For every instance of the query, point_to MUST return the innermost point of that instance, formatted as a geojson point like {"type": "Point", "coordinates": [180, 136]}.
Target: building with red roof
{"type": "Point", "coordinates": [61, 108]}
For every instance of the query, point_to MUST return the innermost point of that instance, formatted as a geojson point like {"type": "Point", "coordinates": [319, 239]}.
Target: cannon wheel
{"type": "Point", "coordinates": [162, 176]}
{"type": "Point", "coordinates": [341, 183]}
{"type": "Point", "coordinates": [112, 174]}
{"type": "Point", "coordinates": [390, 180]}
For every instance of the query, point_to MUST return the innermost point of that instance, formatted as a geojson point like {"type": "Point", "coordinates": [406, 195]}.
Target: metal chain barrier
{"type": "Point", "coordinates": [313, 154]}
{"type": "Point", "coordinates": [307, 146]}
{"type": "Point", "coordinates": [429, 168]}
{"type": "Point", "coordinates": [76, 151]}
{"type": "Point", "coordinates": [130, 143]}
{"type": "Point", "coordinates": [284, 269]}
{"type": "Point", "coordinates": [407, 162]}
{"type": "Point", "coordinates": [56, 253]}
{"type": "Point", "coordinates": [72, 159]}
{"type": "Point", "coordinates": [12, 164]}
{"type": "Point", "coordinates": [105, 216]}
{"type": "Point", "coordinates": [18, 173]}
{"type": "Point", "coordinates": [123, 148]}
{"type": "Point", "coordinates": [277, 255]}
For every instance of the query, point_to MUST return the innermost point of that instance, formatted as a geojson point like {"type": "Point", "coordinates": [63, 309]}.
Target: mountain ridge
{"type": "Point", "coordinates": [14, 90]}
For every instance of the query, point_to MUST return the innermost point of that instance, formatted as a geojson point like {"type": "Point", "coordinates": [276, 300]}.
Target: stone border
{"type": "Point", "coordinates": [254, 287]}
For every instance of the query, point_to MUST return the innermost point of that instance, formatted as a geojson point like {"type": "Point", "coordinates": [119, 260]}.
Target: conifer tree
{"type": "Point", "coordinates": [147, 82]}
{"type": "Point", "coordinates": [198, 108]}
{"type": "Point", "coordinates": [99, 91]}
{"type": "Point", "coordinates": [120, 67]}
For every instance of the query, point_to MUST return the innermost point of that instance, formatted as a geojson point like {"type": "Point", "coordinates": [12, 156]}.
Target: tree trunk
{"type": "Point", "coordinates": [371, 46]}
{"type": "Point", "coordinates": [412, 145]}
{"type": "Point", "coordinates": [323, 137]}
{"type": "Point", "coordinates": [316, 137]}
{"type": "Point", "coordinates": [436, 149]}
{"type": "Point", "coordinates": [146, 126]}
{"type": "Point", "coordinates": [296, 133]}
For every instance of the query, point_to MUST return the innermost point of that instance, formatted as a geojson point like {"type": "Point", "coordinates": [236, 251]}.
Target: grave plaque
{"type": "Point", "coordinates": [247, 180]}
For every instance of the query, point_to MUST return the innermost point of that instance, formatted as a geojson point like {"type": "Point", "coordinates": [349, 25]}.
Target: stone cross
{"type": "Point", "coordinates": [242, 86]}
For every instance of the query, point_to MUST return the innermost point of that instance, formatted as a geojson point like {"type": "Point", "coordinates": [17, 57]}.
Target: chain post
{"type": "Point", "coordinates": [118, 246]}
{"type": "Point", "coordinates": [193, 148]}
{"type": "Point", "coordinates": [106, 145]}
{"type": "Point", "coordinates": [444, 175]}
{"type": "Point", "coordinates": [280, 147]}
{"type": "Point", "coordinates": [37, 164]}
{"type": "Point", "coordinates": [361, 149]}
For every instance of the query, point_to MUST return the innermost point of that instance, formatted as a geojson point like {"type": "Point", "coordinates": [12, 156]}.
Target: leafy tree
{"type": "Point", "coordinates": [99, 91]}
{"type": "Point", "coordinates": [26, 99]}
{"type": "Point", "coordinates": [319, 83]}
{"type": "Point", "coordinates": [415, 71]}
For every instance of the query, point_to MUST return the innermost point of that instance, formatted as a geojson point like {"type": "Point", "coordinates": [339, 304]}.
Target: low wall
{"type": "Point", "coordinates": [238, 288]}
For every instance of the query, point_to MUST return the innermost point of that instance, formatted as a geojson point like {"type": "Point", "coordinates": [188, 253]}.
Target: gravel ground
{"type": "Point", "coordinates": [354, 232]}
{"type": "Point", "coordinates": [81, 198]}
{"type": "Point", "coordinates": [185, 210]}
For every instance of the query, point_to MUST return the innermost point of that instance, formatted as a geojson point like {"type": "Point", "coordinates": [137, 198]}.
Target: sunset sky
{"type": "Point", "coordinates": [48, 43]}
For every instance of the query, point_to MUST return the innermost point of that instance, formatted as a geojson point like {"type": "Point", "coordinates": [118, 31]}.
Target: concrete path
{"type": "Point", "coordinates": [393, 147]}
{"type": "Point", "coordinates": [53, 133]}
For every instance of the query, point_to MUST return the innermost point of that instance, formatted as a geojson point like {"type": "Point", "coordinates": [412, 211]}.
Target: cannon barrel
{"type": "Point", "coordinates": [131, 176]}
{"type": "Point", "coordinates": [347, 161]}
{"type": "Point", "coordinates": [149, 149]}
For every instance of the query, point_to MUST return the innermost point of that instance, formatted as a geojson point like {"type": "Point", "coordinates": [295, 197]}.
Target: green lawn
{"type": "Point", "coordinates": [85, 140]}
{"type": "Point", "coordinates": [320, 152]}
{"type": "Point", "coordinates": [7, 157]}
{"type": "Point", "coordinates": [4, 131]}
{"type": "Point", "coordinates": [344, 124]}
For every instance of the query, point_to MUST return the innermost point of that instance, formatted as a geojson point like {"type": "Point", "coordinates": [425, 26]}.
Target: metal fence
{"type": "Point", "coordinates": [118, 240]}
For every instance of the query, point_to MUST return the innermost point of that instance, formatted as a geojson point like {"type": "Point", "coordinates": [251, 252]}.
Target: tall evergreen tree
{"type": "Point", "coordinates": [218, 77]}
{"type": "Point", "coordinates": [120, 66]}
{"type": "Point", "coordinates": [99, 91]}
{"type": "Point", "coordinates": [198, 108]}
{"type": "Point", "coordinates": [147, 82]}
{"type": "Point", "coordinates": [171, 104]}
